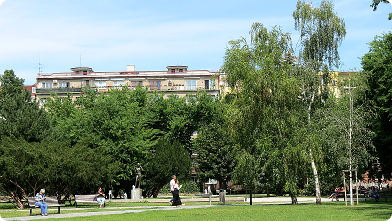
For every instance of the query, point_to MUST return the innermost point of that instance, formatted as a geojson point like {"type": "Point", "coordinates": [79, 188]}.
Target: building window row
{"type": "Point", "coordinates": [153, 84]}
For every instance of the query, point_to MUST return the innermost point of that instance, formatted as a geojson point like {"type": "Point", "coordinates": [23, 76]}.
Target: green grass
{"type": "Point", "coordinates": [327, 211]}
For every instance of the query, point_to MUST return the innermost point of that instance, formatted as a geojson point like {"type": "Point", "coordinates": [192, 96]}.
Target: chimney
{"type": "Point", "coordinates": [131, 67]}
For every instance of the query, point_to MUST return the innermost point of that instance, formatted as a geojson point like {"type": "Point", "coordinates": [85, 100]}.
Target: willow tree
{"type": "Point", "coordinates": [263, 109]}
{"type": "Point", "coordinates": [321, 33]}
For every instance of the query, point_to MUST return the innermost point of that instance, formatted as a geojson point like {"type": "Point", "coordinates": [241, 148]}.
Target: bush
{"type": "Point", "coordinates": [187, 187]}
{"type": "Point", "coordinates": [190, 187]}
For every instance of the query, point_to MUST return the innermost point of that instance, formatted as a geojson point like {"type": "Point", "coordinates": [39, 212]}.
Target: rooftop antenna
{"type": "Point", "coordinates": [39, 64]}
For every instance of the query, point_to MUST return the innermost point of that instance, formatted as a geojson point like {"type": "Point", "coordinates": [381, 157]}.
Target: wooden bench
{"type": "Point", "coordinates": [340, 195]}
{"type": "Point", "coordinates": [382, 194]}
{"type": "Point", "coordinates": [50, 201]}
{"type": "Point", "coordinates": [85, 199]}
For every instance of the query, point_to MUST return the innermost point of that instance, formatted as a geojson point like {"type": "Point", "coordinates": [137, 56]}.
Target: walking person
{"type": "Point", "coordinates": [172, 184]}
{"type": "Point", "coordinates": [177, 199]}
{"type": "Point", "coordinates": [40, 202]}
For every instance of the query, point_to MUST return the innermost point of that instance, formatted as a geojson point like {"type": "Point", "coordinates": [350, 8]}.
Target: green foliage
{"type": "Point", "coordinates": [321, 32]}
{"type": "Point", "coordinates": [10, 84]}
{"type": "Point", "coordinates": [127, 125]}
{"type": "Point", "coordinates": [19, 115]}
{"type": "Point", "coordinates": [79, 169]}
{"type": "Point", "coordinates": [248, 171]}
{"type": "Point", "coordinates": [114, 123]}
{"type": "Point", "coordinates": [375, 4]}
{"type": "Point", "coordinates": [166, 160]}
{"type": "Point", "coordinates": [214, 155]}
{"type": "Point", "coordinates": [188, 187]}
{"type": "Point", "coordinates": [377, 67]}
{"type": "Point", "coordinates": [26, 167]}
{"type": "Point", "coordinates": [266, 114]}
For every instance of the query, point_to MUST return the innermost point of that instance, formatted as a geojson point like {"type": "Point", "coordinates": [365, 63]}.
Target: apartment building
{"type": "Point", "coordinates": [175, 80]}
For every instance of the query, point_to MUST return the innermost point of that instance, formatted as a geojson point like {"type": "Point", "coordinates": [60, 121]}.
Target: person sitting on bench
{"type": "Point", "coordinates": [40, 202]}
{"type": "Point", "coordinates": [373, 193]}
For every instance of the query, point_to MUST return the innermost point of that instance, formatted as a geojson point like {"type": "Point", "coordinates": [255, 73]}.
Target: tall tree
{"type": "Point", "coordinates": [128, 125]}
{"type": "Point", "coordinates": [343, 128]}
{"type": "Point", "coordinates": [377, 65]}
{"type": "Point", "coordinates": [20, 116]}
{"type": "Point", "coordinates": [10, 84]}
{"type": "Point", "coordinates": [263, 115]}
{"type": "Point", "coordinates": [214, 154]}
{"type": "Point", "coordinates": [169, 158]}
{"type": "Point", "coordinates": [321, 33]}
{"type": "Point", "coordinates": [248, 172]}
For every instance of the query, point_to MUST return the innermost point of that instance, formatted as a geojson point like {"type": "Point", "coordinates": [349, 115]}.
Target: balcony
{"type": "Point", "coordinates": [58, 90]}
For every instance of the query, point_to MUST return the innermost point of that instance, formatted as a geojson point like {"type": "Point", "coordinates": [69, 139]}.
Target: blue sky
{"type": "Point", "coordinates": [108, 35]}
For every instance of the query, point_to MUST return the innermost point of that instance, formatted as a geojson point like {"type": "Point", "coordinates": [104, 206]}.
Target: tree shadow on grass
{"type": "Point", "coordinates": [375, 210]}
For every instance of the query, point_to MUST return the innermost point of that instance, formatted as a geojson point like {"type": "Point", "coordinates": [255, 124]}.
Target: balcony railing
{"type": "Point", "coordinates": [58, 90]}
{"type": "Point", "coordinates": [79, 90]}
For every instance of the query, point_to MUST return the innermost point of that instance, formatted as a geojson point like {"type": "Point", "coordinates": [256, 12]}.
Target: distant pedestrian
{"type": "Point", "coordinates": [172, 184]}
{"type": "Point", "coordinates": [177, 199]}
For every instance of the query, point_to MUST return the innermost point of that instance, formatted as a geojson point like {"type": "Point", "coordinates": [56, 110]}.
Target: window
{"type": "Point", "coordinates": [33, 90]}
{"type": "Point", "coordinates": [118, 84]}
{"type": "Point", "coordinates": [86, 83]}
{"type": "Point", "coordinates": [64, 84]}
{"type": "Point", "coordinates": [209, 84]}
{"type": "Point", "coordinates": [173, 71]}
{"type": "Point", "coordinates": [100, 84]}
{"type": "Point", "coordinates": [46, 85]}
{"type": "Point", "coordinates": [191, 84]}
{"type": "Point", "coordinates": [136, 83]}
{"type": "Point", "coordinates": [155, 85]}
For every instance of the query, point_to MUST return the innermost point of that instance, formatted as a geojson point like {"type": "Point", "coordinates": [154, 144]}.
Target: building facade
{"type": "Point", "coordinates": [175, 80]}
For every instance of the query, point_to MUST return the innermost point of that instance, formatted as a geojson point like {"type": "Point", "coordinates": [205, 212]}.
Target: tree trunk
{"type": "Point", "coordinates": [294, 199]}
{"type": "Point", "coordinates": [17, 200]}
{"type": "Point", "coordinates": [315, 174]}
{"type": "Point", "coordinates": [14, 195]}
{"type": "Point", "coordinates": [316, 179]}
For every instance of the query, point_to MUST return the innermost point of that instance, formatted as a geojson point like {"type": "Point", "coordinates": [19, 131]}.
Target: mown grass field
{"type": "Point", "coordinates": [327, 211]}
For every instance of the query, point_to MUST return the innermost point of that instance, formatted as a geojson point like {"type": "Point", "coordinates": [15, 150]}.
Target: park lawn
{"type": "Point", "coordinates": [7, 210]}
{"type": "Point", "coordinates": [327, 211]}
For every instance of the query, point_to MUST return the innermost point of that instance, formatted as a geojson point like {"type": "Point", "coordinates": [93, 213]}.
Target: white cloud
{"type": "Point", "coordinates": [1, 1]}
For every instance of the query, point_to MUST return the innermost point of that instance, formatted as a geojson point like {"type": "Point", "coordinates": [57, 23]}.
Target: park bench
{"type": "Point", "coordinates": [340, 195]}
{"type": "Point", "coordinates": [85, 199]}
{"type": "Point", "coordinates": [51, 201]}
{"type": "Point", "coordinates": [383, 194]}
